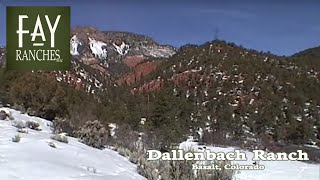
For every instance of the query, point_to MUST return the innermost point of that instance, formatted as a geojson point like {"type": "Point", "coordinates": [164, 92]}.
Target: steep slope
{"type": "Point", "coordinates": [32, 158]}
{"type": "Point", "coordinates": [311, 52]}
{"type": "Point", "coordinates": [113, 46]}
{"type": "Point", "coordinates": [234, 95]}
{"type": "Point", "coordinates": [309, 58]}
{"type": "Point", "coordinates": [99, 58]}
{"type": "Point", "coordinates": [241, 95]}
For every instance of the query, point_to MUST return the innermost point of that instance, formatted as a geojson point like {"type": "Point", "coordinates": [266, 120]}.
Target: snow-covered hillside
{"type": "Point", "coordinates": [32, 158]}
{"type": "Point", "coordinates": [274, 170]}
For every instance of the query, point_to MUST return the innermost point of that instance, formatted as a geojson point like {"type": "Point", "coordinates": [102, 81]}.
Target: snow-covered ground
{"type": "Point", "coordinates": [33, 159]}
{"type": "Point", "coordinates": [274, 170]}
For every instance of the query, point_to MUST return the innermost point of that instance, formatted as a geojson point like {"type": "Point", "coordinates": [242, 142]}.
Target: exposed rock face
{"type": "Point", "coordinates": [101, 59]}
{"type": "Point", "coordinates": [74, 45]}
{"type": "Point", "coordinates": [122, 49]}
{"type": "Point", "coordinates": [98, 48]}
{"type": "Point", "coordinates": [110, 58]}
{"type": "Point", "coordinates": [116, 44]}
{"type": "Point", "coordinates": [140, 70]}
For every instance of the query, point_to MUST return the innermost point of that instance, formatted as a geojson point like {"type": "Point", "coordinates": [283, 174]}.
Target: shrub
{"type": "Point", "coordinates": [10, 116]}
{"type": "Point", "coordinates": [94, 134]}
{"type": "Point", "coordinates": [51, 144]}
{"type": "Point", "coordinates": [63, 125]}
{"type": "Point", "coordinates": [20, 108]}
{"type": "Point", "coordinates": [181, 170]}
{"type": "Point", "coordinates": [60, 137]}
{"type": "Point", "coordinates": [148, 169]}
{"type": "Point", "coordinates": [92, 170]}
{"type": "Point", "coordinates": [123, 151]}
{"type": "Point", "coordinates": [3, 115]}
{"type": "Point", "coordinates": [23, 130]}
{"type": "Point", "coordinates": [16, 138]}
{"type": "Point", "coordinates": [134, 157]}
{"type": "Point", "coordinates": [31, 112]}
{"type": "Point", "coordinates": [224, 174]}
{"type": "Point", "coordinates": [33, 125]}
{"type": "Point", "coordinates": [19, 124]}
{"type": "Point", "coordinates": [177, 170]}
{"type": "Point", "coordinates": [126, 137]}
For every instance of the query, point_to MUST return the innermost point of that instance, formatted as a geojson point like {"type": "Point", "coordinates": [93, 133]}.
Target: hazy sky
{"type": "Point", "coordinates": [278, 26]}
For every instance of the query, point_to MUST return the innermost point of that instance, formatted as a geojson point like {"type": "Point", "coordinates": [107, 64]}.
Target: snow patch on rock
{"type": "Point", "coordinates": [98, 48]}
{"type": "Point", "coordinates": [74, 45]}
{"type": "Point", "coordinates": [123, 49]}
{"type": "Point", "coordinates": [158, 51]}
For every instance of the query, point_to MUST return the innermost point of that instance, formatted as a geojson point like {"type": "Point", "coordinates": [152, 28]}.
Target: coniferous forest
{"type": "Point", "coordinates": [217, 92]}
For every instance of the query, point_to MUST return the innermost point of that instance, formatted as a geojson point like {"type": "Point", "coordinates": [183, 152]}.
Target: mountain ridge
{"type": "Point", "coordinates": [234, 95]}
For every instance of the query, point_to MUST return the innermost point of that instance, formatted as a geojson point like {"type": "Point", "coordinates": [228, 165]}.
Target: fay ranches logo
{"type": "Point", "coordinates": [38, 38]}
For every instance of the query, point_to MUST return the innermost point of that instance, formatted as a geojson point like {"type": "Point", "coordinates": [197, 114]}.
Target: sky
{"type": "Point", "coordinates": [281, 27]}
